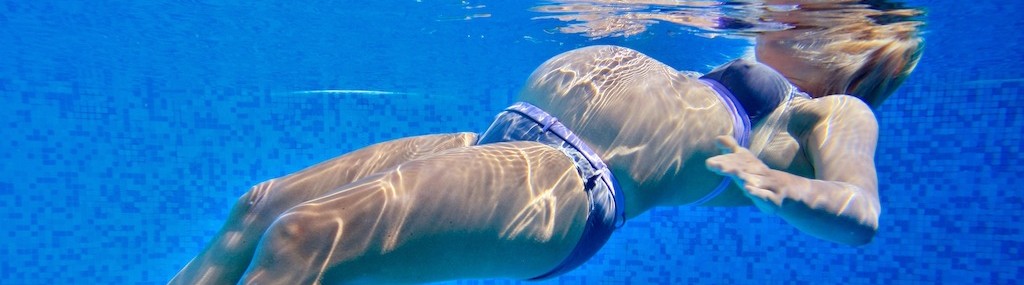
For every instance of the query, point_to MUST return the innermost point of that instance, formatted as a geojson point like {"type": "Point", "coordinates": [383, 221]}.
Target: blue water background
{"type": "Point", "coordinates": [127, 129]}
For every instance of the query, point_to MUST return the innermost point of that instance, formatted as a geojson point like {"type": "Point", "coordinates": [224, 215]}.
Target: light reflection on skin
{"type": "Point", "coordinates": [439, 207]}
{"type": "Point", "coordinates": [472, 198]}
{"type": "Point", "coordinates": [601, 102]}
{"type": "Point", "coordinates": [338, 219]}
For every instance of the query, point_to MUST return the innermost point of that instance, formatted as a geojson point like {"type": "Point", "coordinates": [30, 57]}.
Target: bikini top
{"type": "Point", "coordinates": [750, 91]}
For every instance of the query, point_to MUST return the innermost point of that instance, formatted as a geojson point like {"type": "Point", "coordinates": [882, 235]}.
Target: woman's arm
{"type": "Point", "coordinates": [841, 203]}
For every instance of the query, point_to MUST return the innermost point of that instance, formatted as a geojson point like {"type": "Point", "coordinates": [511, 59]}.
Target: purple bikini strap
{"type": "Point", "coordinates": [741, 131]}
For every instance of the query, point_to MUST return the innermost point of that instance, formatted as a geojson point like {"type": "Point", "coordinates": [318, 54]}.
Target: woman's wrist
{"type": "Point", "coordinates": [830, 210]}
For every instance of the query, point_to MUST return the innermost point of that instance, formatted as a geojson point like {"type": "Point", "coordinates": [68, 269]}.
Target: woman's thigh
{"type": "Point", "coordinates": [232, 249]}
{"type": "Point", "coordinates": [498, 210]}
{"type": "Point", "coordinates": [277, 195]}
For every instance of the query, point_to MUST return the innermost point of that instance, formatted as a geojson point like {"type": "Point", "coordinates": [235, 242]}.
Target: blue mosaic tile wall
{"type": "Point", "coordinates": [128, 130]}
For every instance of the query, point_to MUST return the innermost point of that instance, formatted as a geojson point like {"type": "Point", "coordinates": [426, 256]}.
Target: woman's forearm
{"type": "Point", "coordinates": [835, 211]}
{"type": "Point", "coordinates": [832, 210]}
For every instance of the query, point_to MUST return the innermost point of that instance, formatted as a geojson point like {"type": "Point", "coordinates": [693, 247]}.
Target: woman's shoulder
{"type": "Point", "coordinates": [830, 116]}
{"type": "Point", "coordinates": [832, 107]}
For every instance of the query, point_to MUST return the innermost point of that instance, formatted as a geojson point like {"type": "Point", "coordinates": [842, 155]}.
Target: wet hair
{"type": "Point", "coordinates": [863, 59]}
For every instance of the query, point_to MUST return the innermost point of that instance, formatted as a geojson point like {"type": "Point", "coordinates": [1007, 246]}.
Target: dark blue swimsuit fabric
{"type": "Point", "coordinates": [750, 91]}
{"type": "Point", "coordinates": [525, 122]}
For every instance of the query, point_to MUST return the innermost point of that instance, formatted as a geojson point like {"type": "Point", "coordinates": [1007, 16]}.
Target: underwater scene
{"type": "Point", "coordinates": [511, 142]}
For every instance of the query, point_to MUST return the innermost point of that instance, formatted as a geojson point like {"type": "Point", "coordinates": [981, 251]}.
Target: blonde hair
{"type": "Point", "coordinates": [862, 58]}
{"type": "Point", "coordinates": [866, 47]}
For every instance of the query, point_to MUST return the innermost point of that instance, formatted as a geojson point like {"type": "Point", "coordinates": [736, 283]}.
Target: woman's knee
{"type": "Point", "coordinates": [304, 236]}
{"type": "Point", "coordinates": [291, 251]}
{"type": "Point", "coordinates": [258, 204]}
{"type": "Point", "coordinates": [292, 230]}
{"type": "Point", "coordinates": [257, 193]}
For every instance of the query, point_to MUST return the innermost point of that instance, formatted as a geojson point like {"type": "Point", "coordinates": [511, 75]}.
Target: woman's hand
{"type": "Point", "coordinates": [761, 184]}
{"type": "Point", "coordinates": [830, 210]}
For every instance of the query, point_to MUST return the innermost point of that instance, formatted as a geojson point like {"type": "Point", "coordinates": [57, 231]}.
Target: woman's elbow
{"type": "Point", "coordinates": [858, 236]}
{"type": "Point", "coordinates": [861, 226]}
{"type": "Point", "coordinates": [853, 230]}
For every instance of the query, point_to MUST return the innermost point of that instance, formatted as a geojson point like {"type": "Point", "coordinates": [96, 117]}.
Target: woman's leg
{"type": "Point", "coordinates": [226, 257]}
{"type": "Point", "coordinates": [499, 210]}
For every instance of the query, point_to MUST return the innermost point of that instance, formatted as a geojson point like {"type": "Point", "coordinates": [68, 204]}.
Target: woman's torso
{"type": "Point", "coordinates": [654, 126]}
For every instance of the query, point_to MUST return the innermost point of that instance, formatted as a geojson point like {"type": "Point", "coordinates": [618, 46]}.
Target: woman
{"type": "Point", "coordinates": [534, 196]}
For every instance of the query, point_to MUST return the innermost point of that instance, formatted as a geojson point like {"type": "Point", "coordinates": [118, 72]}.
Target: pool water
{"type": "Point", "coordinates": [129, 128]}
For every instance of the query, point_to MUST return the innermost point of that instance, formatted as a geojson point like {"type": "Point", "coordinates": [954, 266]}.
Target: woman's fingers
{"type": "Point", "coordinates": [767, 201]}
{"type": "Point", "coordinates": [733, 160]}
{"type": "Point", "coordinates": [752, 175]}
{"type": "Point", "coordinates": [716, 165]}
{"type": "Point", "coordinates": [727, 144]}
{"type": "Point", "coordinates": [726, 164]}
